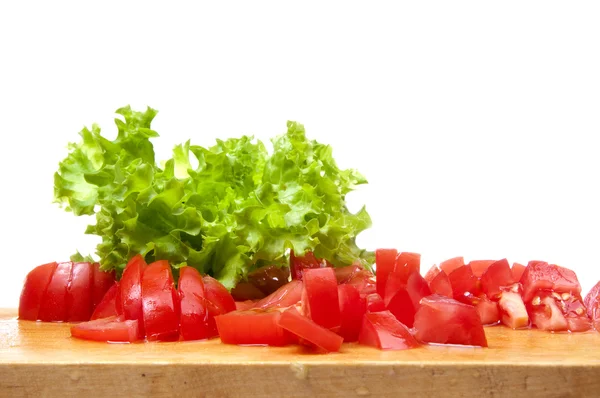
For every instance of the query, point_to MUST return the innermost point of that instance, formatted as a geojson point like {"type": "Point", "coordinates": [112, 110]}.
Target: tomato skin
{"type": "Point", "coordinates": [129, 301]}
{"type": "Point", "coordinates": [306, 329]}
{"type": "Point", "coordinates": [113, 329]}
{"type": "Point", "coordinates": [441, 285]}
{"type": "Point", "coordinates": [79, 293]}
{"type": "Point", "coordinates": [480, 266]}
{"type": "Point", "coordinates": [540, 275]}
{"type": "Point", "coordinates": [34, 290]}
{"type": "Point", "coordinates": [108, 306]}
{"type": "Point", "coordinates": [497, 275]}
{"type": "Point", "coordinates": [287, 295]}
{"type": "Point", "coordinates": [451, 264]}
{"type": "Point", "coordinates": [102, 281]}
{"type": "Point", "coordinates": [53, 307]}
{"type": "Point", "coordinates": [252, 327]}
{"type": "Point", "coordinates": [320, 299]}
{"type": "Point", "coordinates": [194, 321]}
{"type": "Point", "coordinates": [385, 262]}
{"type": "Point", "coordinates": [382, 330]}
{"type": "Point", "coordinates": [160, 303]}
{"type": "Point", "coordinates": [352, 309]}
{"type": "Point", "coordinates": [517, 271]}
{"type": "Point", "coordinates": [464, 284]}
{"type": "Point", "coordinates": [444, 320]}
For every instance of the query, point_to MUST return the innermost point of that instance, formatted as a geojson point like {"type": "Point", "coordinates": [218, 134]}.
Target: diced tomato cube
{"type": "Point", "coordinates": [517, 271]}
{"type": "Point", "coordinates": [451, 264]}
{"type": "Point", "coordinates": [592, 304]}
{"type": "Point", "coordinates": [545, 313]}
{"type": "Point", "coordinates": [464, 284]}
{"type": "Point", "coordinates": [441, 285]}
{"type": "Point", "coordinates": [382, 330]}
{"type": "Point", "coordinates": [539, 275]}
{"type": "Point", "coordinates": [402, 299]}
{"type": "Point", "coordinates": [488, 310]}
{"type": "Point", "coordinates": [320, 297]}
{"type": "Point", "coordinates": [374, 303]}
{"type": "Point", "coordinates": [513, 311]}
{"type": "Point", "coordinates": [497, 276]}
{"type": "Point", "coordinates": [385, 262]}
{"type": "Point", "coordinates": [252, 327]}
{"type": "Point", "coordinates": [407, 263]}
{"type": "Point", "coordinates": [432, 273]}
{"type": "Point", "coordinates": [352, 309]}
{"type": "Point", "coordinates": [306, 329]}
{"type": "Point", "coordinates": [480, 266]}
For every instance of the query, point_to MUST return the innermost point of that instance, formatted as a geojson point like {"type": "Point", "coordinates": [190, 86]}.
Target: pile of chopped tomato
{"type": "Point", "coordinates": [321, 307]}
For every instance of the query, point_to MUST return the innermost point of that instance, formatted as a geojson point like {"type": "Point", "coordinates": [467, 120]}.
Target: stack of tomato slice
{"type": "Point", "coordinates": [320, 308]}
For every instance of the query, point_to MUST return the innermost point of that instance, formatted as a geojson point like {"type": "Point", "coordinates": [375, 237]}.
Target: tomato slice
{"type": "Point", "coordinates": [252, 327]}
{"type": "Point", "coordinates": [108, 306]}
{"type": "Point", "coordinates": [352, 309]}
{"type": "Point", "coordinates": [382, 330]}
{"type": "Point", "coordinates": [320, 299]}
{"type": "Point", "coordinates": [480, 266]}
{"type": "Point", "coordinates": [539, 275]}
{"type": "Point", "coordinates": [517, 271]}
{"type": "Point", "coordinates": [130, 294]}
{"type": "Point", "coordinates": [308, 261]}
{"type": "Point", "coordinates": [79, 292]}
{"type": "Point", "coordinates": [160, 303]}
{"type": "Point", "coordinates": [444, 320]}
{"type": "Point", "coordinates": [441, 285]}
{"type": "Point", "coordinates": [306, 329]}
{"type": "Point", "coordinates": [451, 264]}
{"type": "Point", "coordinates": [53, 307]}
{"type": "Point", "coordinates": [385, 262]}
{"type": "Point", "coordinates": [113, 329]}
{"type": "Point", "coordinates": [513, 311]}
{"type": "Point", "coordinates": [287, 295]}
{"type": "Point", "coordinates": [101, 282]}
{"type": "Point", "coordinates": [464, 284]}
{"type": "Point", "coordinates": [34, 290]}
{"type": "Point", "coordinates": [194, 322]}
{"type": "Point", "coordinates": [497, 276]}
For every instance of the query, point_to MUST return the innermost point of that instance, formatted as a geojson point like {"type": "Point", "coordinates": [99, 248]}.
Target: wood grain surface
{"type": "Point", "coordinates": [41, 359]}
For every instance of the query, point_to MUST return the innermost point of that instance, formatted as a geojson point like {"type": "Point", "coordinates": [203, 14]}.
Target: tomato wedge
{"type": "Point", "coordinates": [385, 262]}
{"type": "Point", "coordinates": [108, 306]}
{"type": "Point", "coordinates": [194, 322]}
{"type": "Point", "coordinates": [444, 320]}
{"type": "Point", "coordinates": [130, 291]}
{"type": "Point", "coordinates": [34, 290]}
{"type": "Point", "coordinates": [306, 329]}
{"type": "Point", "coordinates": [320, 299]}
{"type": "Point", "coordinates": [352, 309]}
{"type": "Point", "coordinates": [79, 293]}
{"type": "Point", "coordinates": [110, 330]}
{"type": "Point", "coordinates": [160, 303]}
{"type": "Point", "coordinates": [382, 330]}
{"type": "Point", "coordinates": [252, 327]}
{"type": "Point", "coordinates": [53, 307]}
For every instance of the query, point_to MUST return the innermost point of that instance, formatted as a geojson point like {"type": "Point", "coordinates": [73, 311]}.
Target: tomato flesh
{"type": "Point", "coordinates": [194, 321]}
{"type": "Point", "coordinates": [382, 330]}
{"type": "Point", "coordinates": [480, 266]}
{"type": "Point", "coordinates": [432, 273]}
{"type": "Point", "coordinates": [406, 264]}
{"type": "Point", "coordinates": [444, 320]}
{"type": "Point", "coordinates": [385, 262]}
{"type": "Point", "coordinates": [108, 306]}
{"type": "Point", "coordinates": [517, 271]}
{"type": "Point", "coordinates": [160, 303]}
{"type": "Point", "coordinates": [374, 303]}
{"type": "Point", "coordinates": [34, 290]}
{"type": "Point", "coordinates": [487, 310]}
{"type": "Point", "coordinates": [540, 275]}
{"type": "Point", "coordinates": [497, 276]}
{"type": "Point", "coordinates": [113, 329]}
{"type": "Point", "coordinates": [320, 299]}
{"type": "Point", "coordinates": [53, 307]}
{"type": "Point", "coordinates": [441, 285]}
{"type": "Point", "coordinates": [352, 309]}
{"type": "Point", "coordinates": [252, 327]}
{"type": "Point", "coordinates": [308, 330]}
{"type": "Point", "coordinates": [464, 284]}
{"type": "Point", "coordinates": [403, 300]}
{"type": "Point", "coordinates": [451, 264]}
{"type": "Point", "coordinates": [512, 310]}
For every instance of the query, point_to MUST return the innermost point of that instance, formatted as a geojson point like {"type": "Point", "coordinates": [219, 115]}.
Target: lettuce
{"type": "Point", "coordinates": [239, 208]}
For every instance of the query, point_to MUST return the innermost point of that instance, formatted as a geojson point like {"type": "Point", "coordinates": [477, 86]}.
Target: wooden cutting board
{"type": "Point", "coordinates": [41, 359]}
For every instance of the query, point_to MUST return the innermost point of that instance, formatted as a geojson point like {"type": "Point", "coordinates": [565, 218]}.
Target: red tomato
{"type": "Point", "coordinates": [432, 273]}
{"type": "Point", "coordinates": [517, 271]}
{"type": "Point", "coordinates": [403, 300]}
{"type": "Point", "coordinates": [287, 295]}
{"type": "Point", "coordinates": [108, 306]}
{"type": "Point", "coordinates": [308, 261]}
{"type": "Point", "coordinates": [443, 320]}
{"type": "Point", "coordinates": [352, 310]}
{"type": "Point", "coordinates": [407, 263]}
{"type": "Point", "coordinates": [488, 310]}
{"type": "Point", "coordinates": [102, 281]}
{"type": "Point", "coordinates": [130, 291]}
{"type": "Point", "coordinates": [252, 327]}
{"type": "Point", "coordinates": [479, 266]}
{"type": "Point", "coordinates": [306, 329]}
{"type": "Point", "coordinates": [246, 291]}
{"type": "Point", "coordinates": [320, 297]}
{"type": "Point", "coordinates": [497, 276]}
{"type": "Point", "coordinates": [160, 303]}
{"type": "Point", "coordinates": [540, 275]}
{"type": "Point", "coordinates": [374, 303]}
{"type": "Point", "coordinates": [558, 311]}
{"type": "Point", "coordinates": [464, 284]}
{"type": "Point", "coordinates": [385, 261]}
{"type": "Point", "coordinates": [451, 264]}
{"type": "Point", "coordinates": [441, 285]}
{"type": "Point", "coordinates": [194, 321]}
{"type": "Point", "coordinates": [34, 290]}
{"type": "Point", "coordinates": [219, 298]}
{"type": "Point", "coordinates": [382, 330]}
{"type": "Point", "coordinates": [53, 307]}
{"type": "Point", "coordinates": [364, 281]}
{"type": "Point", "coordinates": [111, 330]}
{"type": "Point", "coordinates": [513, 311]}
{"type": "Point", "coordinates": [79, 293]}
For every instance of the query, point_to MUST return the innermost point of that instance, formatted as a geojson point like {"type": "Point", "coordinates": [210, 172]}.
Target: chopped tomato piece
{"type": "Point", "coordinates": [308, 261]}
{"type": "Point", "coordinates": [374, 303]}
{"type": "Point", "coordinates": [517, 271]}
{"type": "Point", "coordinates": [441, 285]}
{"type": "Point", "coordinates": [320, 297]}
{"type": "Point", "coordinates": [592, 304]}
{"type": "Point", "coordinates": [34, 291]}
{"type": "Point", "coordinates": [309, 331]}
{"type": "Point", "coordinates": [111, 330]}
{"type": "Point", "coordinates": [269, 278]}
{"type": "Point", "coordinates": [357, 276]}
{"type": "Point", "coordinates": [287, 295]}
{"type": "Point", "coordinates": [246, 291]}
{"type": "Point", "coordinates": [444, 320]}
{"type": "Point", "coordinates": [480, 266]}
{"type": "Point", "coordinates": [385, 261]}
{"type": "Point", "coordinates": [79, 293]}
{"type": "Point", "coordinates": [451, 264]}
{"type": "Point", "coordinates": [403, 300]}
{"type": "Point", "coordinates": [497, 276]}
{"type": "Point", "coordinates": [245, 305]}
{"type": "Point", "coordinates": [160, 303]}
{"type": "Point", "coordinates": [252, 327]}
{"type": "Point", "coordinates": [102, 281]}
{"type": "Point", "coordinates": [130, 291]}
{"type": "Point", "coordinates": [53, 307]}
{"type": "Point", "coordinates": [108, 306]}
{"type": "Point", "coordinates": [352, 309]}
{"type": "Point", "coordinates": [488, 310]}
{"type": "Point", "coordinates": [382, 330]}
{"type": "Point", "coordinates": [545, 313]}
{"type": "Point", "coordinates": [407, 263]}
{"type": "Point", "coordinates": [464, 284]}
{"type": "Point", "coordinates": [432, 273]}
{"type": "Point", "coordinates": [219, 298]}
{"type": "Point", "coordinates": [345, 274]}
{"type": "Point", "coordinates": [539, 275]}
{"type": "Point", "coordinates": [513, 311]}
{"type": "Point", "coordinates": [194, 322]}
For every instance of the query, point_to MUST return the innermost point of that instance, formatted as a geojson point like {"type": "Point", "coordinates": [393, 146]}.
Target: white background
{"type": "Point", "coordinates": [475, 122]}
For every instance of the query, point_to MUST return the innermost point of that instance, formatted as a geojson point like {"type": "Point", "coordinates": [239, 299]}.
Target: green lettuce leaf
{"type": "Point", "coordinates": [239, 208]}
